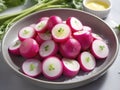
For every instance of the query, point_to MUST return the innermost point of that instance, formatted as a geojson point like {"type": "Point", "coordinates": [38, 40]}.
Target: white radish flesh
{"type": "Point", "coordinates": [32, 67]}
{"type": "Point", "coordinates": [99, 49]}
{"type": "Point", "coordinates": [87, 28]}
{"type": "Point", "coordinates": [96, 36]}
{"type": "Point", "coordinates": [52, 68]}
{"type": "Point", "coordinates": [87, 61]}
{"type": "Point", "coordinates": [48, 48]}
{"type": "Point", "coordinates": [71, 67]}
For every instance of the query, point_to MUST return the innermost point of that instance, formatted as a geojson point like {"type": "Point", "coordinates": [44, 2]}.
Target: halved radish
{"type": "Point", "coordinates": [87, 61]}
{"type": "Point", "coordinates": [74, 24]}
{"type": "Point", "coordinates": [52, 68]}
{"type": "Point", "coordinates": [32, 67]}
{"type": "Point", "coordinates": [61, 32]}
{"type": "Point", "coordinates": [70, 49]}
{"type": "Point", "coordinates": [52, 21]}
{"type": "Point", "coordinates": [41, 26]}
{"type": "Point", "coordinates": [26, 32]}
{"type": "Point", "coordinates": [43, 18]}
{"type": "Point", "coordinates": [85, 38]}
{"type": "Point", "coordinates": [48, 48]}
{"type": "Point", "coordinates": [14, 47]}
{"type": "Point", "coordinates": [29, 48]}
{"type": "Point", "coordinates": [99, 49]}
{"type": "Point", "coordinates": [71, 67]}
{"type": "Point", "coordinates": [96, 36]}
{"type": "Point", "coordinates": [87, 28]}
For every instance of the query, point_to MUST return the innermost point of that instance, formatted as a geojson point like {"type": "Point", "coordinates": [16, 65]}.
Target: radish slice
{"type": "Point", "coordinates": [41, 26]}
{"type": "Point", "coordinates": [96, 36]}
{"type": "Point", "coordinates": [52, 68]}
{"type": "Point", "coordinates": [26, 32]}
{"type": "Point", "coordinates": [85, 39]}
{"type": "Point", "coordinates": [61, 32]}
{"type": "Point", "coordinates": [29, 48]}
{"type": "Point", "coordinates": [74, 24]}
{"type": "Point", "coordinates": [99, 49]}
{"type": "Point", "coordinates": [43, 18]}
{"type": "Point", "coordinates": [87, 28]}
{"type": "Point", "coordinates": [52, 21]}
{"type": "Point", "coordinates": [70, 67]}
{"type": "Point", "coordinates": [70, 49]}
{"type": "Point", "coordinates": [32, 67]}
{"type": "Point", "coordinates": [48, 48]}
{"type": "Point", "coordinates": [87, 61]}
{"type": "Point", "coordinates": [14, 47]}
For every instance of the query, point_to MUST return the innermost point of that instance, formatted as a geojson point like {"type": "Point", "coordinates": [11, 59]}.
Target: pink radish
{"type": "Point", "coordinates": [71, 67]}
{"type": "Point", "coordinates": [96, 36]}
{"type": "Point", "coordinates": [74, 24]}
{"type": "Point", "coordinates": [52, 68]}
{"type": "Point", "coordinates": [32, 67]}
{"type": "Point", "coordinates": [61, 32]}
{"type": "Point", "coordinates": [52, 21]}
{"type": "Point", "coordinates": [70, 49]}
{"type": "Point", "coordinates": [41, 26]}
{"type": "Point", "coordinates": [48, 48]}
{"type": "Point", "coordinates": [85, 38]}
{"type": "Point", "coordinates": [87, 28]}
{"type": "Point", "coordinates": [26, 32]}
{"type": "Point", "coordinates": [29, 48]}
{"type": "Point", "coordinates": [87, 61]}
{"type": "Point", "coordinates": [14, 47]}
{"type": "Point", "coordinates": [99, 49]}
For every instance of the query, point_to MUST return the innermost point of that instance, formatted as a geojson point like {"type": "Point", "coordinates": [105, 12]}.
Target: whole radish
{"type": "Point", "coordinates": [71, 48]}
{"type": "Point", "coordinates": [52, 68]}
{"type": "Point", "coordinates": [87, 61]}
{"type": "Point", "coordinates": [32, 67]}
{"type": "Point", "coordinates": [29, 48]}
{"type": "Point", "coordinates": [26, 32]}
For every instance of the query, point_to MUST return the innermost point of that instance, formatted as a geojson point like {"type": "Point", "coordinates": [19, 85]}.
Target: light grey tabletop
{"type": "Point", "coordinates": [109, 81]}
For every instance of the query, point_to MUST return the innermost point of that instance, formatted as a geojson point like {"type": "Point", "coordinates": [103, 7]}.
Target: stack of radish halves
{"type": "Point", "coordinates": [54, 47]}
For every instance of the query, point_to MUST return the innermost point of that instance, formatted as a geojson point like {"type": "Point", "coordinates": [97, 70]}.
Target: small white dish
{"type": "Point", "coordinates": [100, 8]}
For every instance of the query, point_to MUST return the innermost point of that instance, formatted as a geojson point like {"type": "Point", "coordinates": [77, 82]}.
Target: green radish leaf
{"type": "Point", "coordinates": [32, 67]}
{"type": "Point", "coordinates": [51, 67]}
{"type": "Point", "coordinates": [26, 32]}
{"type": "Point", "coordinates": [101, 47]}
{"type": "Point", "coordinates": [87, 59]}
{"type": "Point", "coordinates": [46, 47]}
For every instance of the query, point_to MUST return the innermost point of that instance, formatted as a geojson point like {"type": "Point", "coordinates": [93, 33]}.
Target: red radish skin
{"type": "Point", "coordinates": [61, 32]}
{"type": "Point", "coordinates": [29, 48]}
{"type": "Point", "coordinates": [87, 28]}
{"type": "Point", "coordinates": [32, 67]}
{"type": "Point", "coordinates": [41, 27]}
{"type": "Point", "coordinates": [48, 48]}
{"type": "Point", "coordinates": [14, 47]}
{"type": "Point", "coordinates": [74, 24]}
{"type": "Point", "coordinates": [52, 21]}
{"type": "Point", "coordinates": [87, 61]}
{"type": "Point", "coordinates": [26, 32]}
{"type": "Point", "coordinates": [99, 49]}
{"type": "Point", "coordinates": [70, 49]}
{"type": "Point", "coordinates": [85, 39]}
{"type": "Point", "coordinates": [71, 67]}
{"type": "Point", "coordinates": [52, 68]}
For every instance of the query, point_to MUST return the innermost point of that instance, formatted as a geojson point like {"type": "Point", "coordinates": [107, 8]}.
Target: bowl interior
{"type": "Point", "coordinates": [97, 25]}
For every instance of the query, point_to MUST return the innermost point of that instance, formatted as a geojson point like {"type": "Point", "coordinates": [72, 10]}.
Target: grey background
{"type": "Point", "coordinates": [109, 81]}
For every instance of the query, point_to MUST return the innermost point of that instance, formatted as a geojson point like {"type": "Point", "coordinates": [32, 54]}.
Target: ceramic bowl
{"type": "Point", "coordinates": [98, 26]}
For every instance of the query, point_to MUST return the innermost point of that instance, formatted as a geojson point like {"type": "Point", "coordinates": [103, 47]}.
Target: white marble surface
{"type": "Point", "coordinates": [109, 81]}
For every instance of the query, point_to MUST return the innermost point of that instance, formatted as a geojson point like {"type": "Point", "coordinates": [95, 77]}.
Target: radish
{"type": "Point", "coordinates": [32, 67]}
{"type": "Point", "coordinates": [87, 28]}
{"type": "Point", "coordinates": [74, 24]}
{"type": "Point", "coordinates": [41, 37]}
{"type": "Point", "coordinates": [41, 26]}
{"type": "Point", "coordinates": [85, 38]}
{"type": "Point", "coordinates": [96, 36]}
{"type": "Point", "coordinates": [43, 18]}
{"type": "Point", "coordinates": [48, 48]}
{"type": "Point", "coordinates": [14, 47]}
{"type": "Point", "coordinates": [52, 21]}
{"type": "Point", "coordinates": [70, 67]}
{"type": "Point", "coordinates": [87, 61]}
{"type": "Point", "coordinates": [52, 68]}
{"type": "Point", "coordinates": [26, 32]}
{"type": "Point", "coordinates": [70, 49]}
{"type": "Point", "coordinates": [99, 49]}
{"type": "Point", "coordinates": [61, 32]}
{"type": "Point", "coordinates": [29, 48]}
